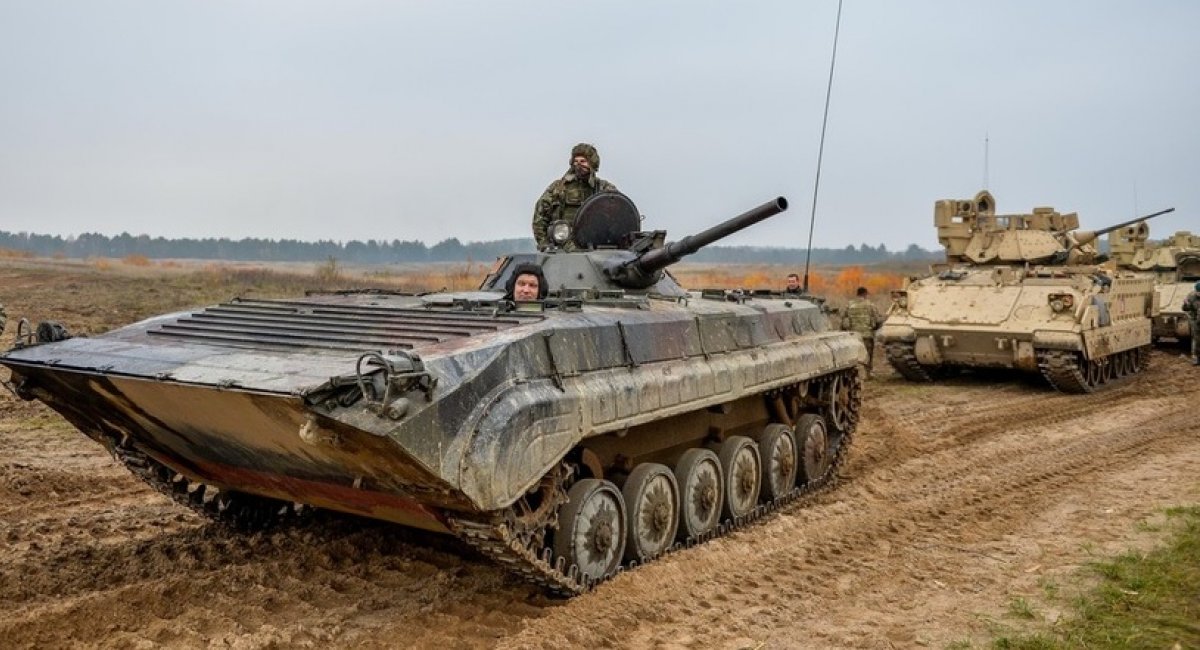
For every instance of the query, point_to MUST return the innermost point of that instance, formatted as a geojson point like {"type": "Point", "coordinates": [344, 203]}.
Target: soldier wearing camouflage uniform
{"type": "Point", "coordinates": [862, 317]}
{"type": "Point", "coordinates": [1191, 306]}
{"type": "Point", "coordinates": [562, 199]}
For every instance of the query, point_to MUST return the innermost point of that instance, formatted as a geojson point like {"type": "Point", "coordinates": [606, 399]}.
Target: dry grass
{"type": "Point", "coordinates": [136, 260]}
{"type": "Point", "coordinates": [14, 253]}
{"type": "Point", "coordinates": [829, 282]}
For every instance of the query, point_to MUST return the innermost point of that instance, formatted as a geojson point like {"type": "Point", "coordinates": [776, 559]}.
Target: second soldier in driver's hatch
{"type": "Point", "coordinates": [562, 198]}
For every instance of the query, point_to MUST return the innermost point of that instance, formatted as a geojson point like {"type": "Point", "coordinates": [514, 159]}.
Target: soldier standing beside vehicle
{"type": "Point", "coordinates": [862, 317]}
{"type": "Point", "coordinates": [562, 198]}
{"type": "Point", "coordinates": [1191, 306]}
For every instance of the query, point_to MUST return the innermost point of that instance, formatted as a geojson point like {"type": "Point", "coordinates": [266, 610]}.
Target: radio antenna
{"type": "Point", "coordinates": [985, 160]}
{"type": "Point", "coordinates": [812, 221]}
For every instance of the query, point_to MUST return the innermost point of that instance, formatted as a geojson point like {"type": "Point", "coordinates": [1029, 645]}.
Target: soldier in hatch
{"type": "Point", "coordinates": [562, 199]}
{"type": "Point", "coordinates": [862, 317]}
{"type": "Point", "coordinates": [526, 283]}
{"type": "Point", "coordinates": [793, 285]}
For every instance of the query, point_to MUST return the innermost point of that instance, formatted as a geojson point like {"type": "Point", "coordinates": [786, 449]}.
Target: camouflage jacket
{"type": "Point", "coordinates": [561, 201]}
{"type": "Point", "coordinates": [1191, 304]}
{"type": "Point", "coordinates": [861, 316]}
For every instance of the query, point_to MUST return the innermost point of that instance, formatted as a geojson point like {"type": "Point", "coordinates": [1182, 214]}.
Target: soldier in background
{"type": "Point", "coordinates": [793, 285]}
{"type": "Point", "coordinates": [562, 198]}
{"type": "Point", "coordinates": [1191, 306]}
{"type": "Point", "coordinates": [3, 318]}
{"type": "Point", "coordinates": [862, 317]}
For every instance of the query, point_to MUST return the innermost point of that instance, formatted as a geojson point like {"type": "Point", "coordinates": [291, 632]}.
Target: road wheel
{"type": "Point", "coordinates": [701, 492]}
{"type": "Point", "coordinates": [815, 452]}
{"type": "Point", "coordinates": [777, 448]}
{"type": "Point", "coordinates": [742, 469]}
{"type": "Point", "coordinates": [652, 511]}
{"type": "Point", "coordinates": [591, 528]}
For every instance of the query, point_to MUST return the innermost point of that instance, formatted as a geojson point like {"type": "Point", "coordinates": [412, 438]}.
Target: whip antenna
{"type": "Point", "coordinates": [812, 221]}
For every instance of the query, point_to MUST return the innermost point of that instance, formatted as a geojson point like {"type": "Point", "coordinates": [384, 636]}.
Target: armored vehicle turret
{"type": "Point", "coordinates": [603, 424]}
{"type": "Point", "coordinates": [1020, 291]}
{"type": "Point", "coordinates": [1175, 263]}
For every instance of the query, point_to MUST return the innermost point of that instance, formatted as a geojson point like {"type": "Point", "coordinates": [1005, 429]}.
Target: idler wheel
{"type": "Point", "coordinates": [742, 470]}
{"type": "Point", "coordinates": [652, 511]}
{"type": "Point", "coordinates": [701, 492]}
{"type": "Point", "coordinates": [777, 448]}
{"type": "Point", "coordinates": [591, 528]}
{"type": "Point", "coordinates": [815, 454]}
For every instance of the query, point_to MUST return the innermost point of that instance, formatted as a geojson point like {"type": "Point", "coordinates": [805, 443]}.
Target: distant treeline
{"type": "Point", "coordinates": [383, 252]}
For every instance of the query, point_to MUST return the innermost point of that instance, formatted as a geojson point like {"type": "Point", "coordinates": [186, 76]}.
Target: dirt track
{"type": "Point", "coordinates": [957, 499]}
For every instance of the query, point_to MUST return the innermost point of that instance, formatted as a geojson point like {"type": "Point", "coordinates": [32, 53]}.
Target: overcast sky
{"type": "Point", "coordinates": [361, 119]}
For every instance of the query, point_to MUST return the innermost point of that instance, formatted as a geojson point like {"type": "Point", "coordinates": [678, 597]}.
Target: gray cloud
{"type": "Point", "coordinates": [422, 120]}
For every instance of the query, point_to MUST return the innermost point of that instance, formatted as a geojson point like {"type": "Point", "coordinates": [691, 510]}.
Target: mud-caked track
{"type": "Point", "coordinates": [956, 498]}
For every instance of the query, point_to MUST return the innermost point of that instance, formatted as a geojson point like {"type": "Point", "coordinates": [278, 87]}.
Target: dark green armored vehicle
{"type": "Point", "coordinates": [603, 425]}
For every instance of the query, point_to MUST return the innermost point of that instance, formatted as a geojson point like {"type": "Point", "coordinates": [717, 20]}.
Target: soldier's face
{"type": "Point", "coordinates": [793, 283]}
{"type": "Point", "coordinates": [526, 287]}
{"type": "Point", "coordinates": [581, 165]}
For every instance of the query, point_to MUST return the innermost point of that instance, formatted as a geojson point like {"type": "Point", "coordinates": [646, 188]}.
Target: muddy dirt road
{"type": "Point", "coordinates": [957, 499]}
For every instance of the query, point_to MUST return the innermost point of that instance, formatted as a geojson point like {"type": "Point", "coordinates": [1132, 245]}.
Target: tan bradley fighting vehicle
{"type": "Point", "coordinates": [1175, 263]}
{"type": "Point", "coordinates": [1020, 291]}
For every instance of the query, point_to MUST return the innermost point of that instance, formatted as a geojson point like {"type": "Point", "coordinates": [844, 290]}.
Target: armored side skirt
{"type": "Point", "coordinates": [998, 348]}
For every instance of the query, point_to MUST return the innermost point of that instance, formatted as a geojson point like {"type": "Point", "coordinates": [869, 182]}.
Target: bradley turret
{"type": "Point", "coordinates": [972, 233]}
{"type": "Point", "coordinates": [611, 257]}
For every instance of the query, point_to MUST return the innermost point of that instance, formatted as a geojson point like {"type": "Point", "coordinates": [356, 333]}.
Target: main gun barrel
{"type": "Point", "coordinates": [1082, 237]}
{"type": "Point", "coordinates": [660, 258]}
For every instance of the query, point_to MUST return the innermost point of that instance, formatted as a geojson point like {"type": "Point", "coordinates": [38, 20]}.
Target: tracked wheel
{"type": "Point", "coordinates": [701, 492]}
{"type": "Point", "coordinates": [742, 469]}
{"type": "Point", "coordinates": [816, 454]}
{"type": "Point", "coordinates": [652, 511]}
{"type": "Point", "coordinates": [777, 449]}
{"type": "Point", "coordinates": [591, 528]}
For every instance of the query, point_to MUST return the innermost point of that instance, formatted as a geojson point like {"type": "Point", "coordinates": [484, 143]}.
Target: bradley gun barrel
{"type": "Point", "coordinates": [1081, 237]}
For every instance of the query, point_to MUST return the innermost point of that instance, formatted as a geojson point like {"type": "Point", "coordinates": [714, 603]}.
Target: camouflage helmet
{"type": "Point", "coordinates": [587, 151]}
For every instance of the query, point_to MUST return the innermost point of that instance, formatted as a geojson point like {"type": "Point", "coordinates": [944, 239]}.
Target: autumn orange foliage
{"type": "Point", "coordinates": [135, 260]}
{"type": "Point", "coordinates": [831, 282]}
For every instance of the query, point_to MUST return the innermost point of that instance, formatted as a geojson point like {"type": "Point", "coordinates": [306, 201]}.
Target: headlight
{"type": "Point", "coordinates": [1061, 301]}
{"type": "Point", "coordinates": [560, 232]}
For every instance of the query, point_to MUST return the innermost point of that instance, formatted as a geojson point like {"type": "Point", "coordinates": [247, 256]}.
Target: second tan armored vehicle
{"type": "Point", "coordinates": [1175, 263]}
{"type": "Point", "coordinates": [1020, 291]}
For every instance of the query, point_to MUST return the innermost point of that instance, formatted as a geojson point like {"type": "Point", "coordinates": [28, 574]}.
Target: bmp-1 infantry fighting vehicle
{"type": "Point", "coordinates": [1020, 291]}
{"type": "Point", "coordinates": [604, 425]}
{"type": "Point", "coordinates": [1175, 263]}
